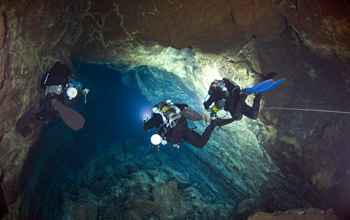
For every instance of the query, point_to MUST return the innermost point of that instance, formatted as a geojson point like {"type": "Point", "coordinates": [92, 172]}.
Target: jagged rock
{"type": "Point", "coordinates": [112, 211]}
{"type": "Point", "coordinates": [158, 176]}
{"type": "Point", "coordinates": [78, 211]}
{"type": "Point", "coordinates": [97, 187]}
{"type": "Point", "coordinates": [141, 177]}
{"type": "Point", "coordinates": [207, 213]}
{"type": "Point", "coordinates": [315, 21]}
{"type": "Point", "coordinates": [296, 214]}
{"type": "Point", "coordinates": [249, 206]}
{"type": "Point", "coordinates": [115, 202]}
{"type": "Point", "coordinates": [144, 207]}
{"type": "Point", "coordinates": [182, 180]}
{"type": "Point", "coordinates": [136, 192]}
{"type": "Point", "coordinates": [115, 34]}
{"type": "Point", "coordinates": [87, 196]}
{"type": "Point", "coordinates": [192, 197]}
{"type": "Point", "coordinates": [131, 215]}
{"type": "Point", "coordinates": [169, 201]}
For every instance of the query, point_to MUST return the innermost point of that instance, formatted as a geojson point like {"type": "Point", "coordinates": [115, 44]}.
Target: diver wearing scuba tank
{"type": "Point", "coordinates": [57, 83]}
{"type": "Point", "coordinates": [225, 94]}
{"type": "Point", "coordinates": [173, 126]}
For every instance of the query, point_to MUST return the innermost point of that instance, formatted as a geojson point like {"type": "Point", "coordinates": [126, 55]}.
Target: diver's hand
{"type": "Point", "coordinates": [206, 116]}
{"type": "Point", "coordinates": [145, 118]}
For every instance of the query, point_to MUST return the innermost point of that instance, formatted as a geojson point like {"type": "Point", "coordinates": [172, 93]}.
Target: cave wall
{"type": "Point", "coordinates": [123, 34]}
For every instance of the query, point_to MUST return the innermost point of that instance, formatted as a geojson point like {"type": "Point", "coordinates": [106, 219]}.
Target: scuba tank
{"type": "Point", "coordinates": [221, 85]}
{"type": "Point", "coordinates": [173, 106]}
{"type": "Point", "coordinates": [173, 114]}
{"type": "Point", "coordinates": [218, 106]}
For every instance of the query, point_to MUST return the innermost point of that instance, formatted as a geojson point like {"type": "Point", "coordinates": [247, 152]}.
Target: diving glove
{"type": "Point", "coordinates": [206, 116]}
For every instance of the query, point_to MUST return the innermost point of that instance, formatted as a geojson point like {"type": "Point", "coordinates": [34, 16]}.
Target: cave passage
{"type": "Point", "coordinates": [94, 171]}
{"type": "Point", "coordinates": [112, 108]}
{"type": "Point", "coordinates": [55, 166]}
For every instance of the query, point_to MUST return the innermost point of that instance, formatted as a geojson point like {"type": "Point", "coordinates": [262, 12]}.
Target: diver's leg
{"type": "Point", "coordinates": [253, 112]}
{"type": "Point", "coordinates": [239, 107]}
{"type": "Point", "coordinates": [178, 130]}
{"type": "Point", "coordinates": [197, 140]}
{"type": "Point", "coordinates": [46, 107]}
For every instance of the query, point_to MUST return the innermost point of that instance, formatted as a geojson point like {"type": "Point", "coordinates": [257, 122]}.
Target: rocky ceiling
{"type": "Point", "coordinates": [306, 42]}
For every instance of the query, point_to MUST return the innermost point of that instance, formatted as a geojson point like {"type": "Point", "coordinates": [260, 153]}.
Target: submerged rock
{"type": "Point", "coordinates": [78, 211]}
{"type": "Point", "coordinates": [144, 207]}
{"type": "Point", "coordinates": [169, 201]}
{"type": "Point", "coordinates": [296, 214]}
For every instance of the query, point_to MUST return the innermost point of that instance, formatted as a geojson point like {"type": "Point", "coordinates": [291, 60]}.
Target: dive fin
{"type": "Point", "coordinates": [24, 120]}
{"type": "Point", "coordinates": [270, 86]}
{"type": "Point", "coordinates": [69, 116]}
{"type": "Point", "coordinates": [191, 114]}
{"type": "Point", "coordinates": [259, 85]}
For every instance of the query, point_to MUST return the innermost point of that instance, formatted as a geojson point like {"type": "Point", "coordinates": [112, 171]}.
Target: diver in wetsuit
{"type": "Point", "coordinates": [225, 94]}
{"type": "Point", "coordinates": [170, 122]}
{"type": "Point", "coordinates": [55, 82]}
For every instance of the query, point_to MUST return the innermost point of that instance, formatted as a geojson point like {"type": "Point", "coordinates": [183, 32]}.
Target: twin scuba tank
{"type": "Point", "coordinates": [169, 112]}
{"type": "Point", "coordinates": [221, 85]}
{"type": "Point", "coordinates": [220, 104]}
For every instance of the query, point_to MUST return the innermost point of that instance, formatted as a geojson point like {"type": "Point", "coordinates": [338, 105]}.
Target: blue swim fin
{"type": "Point", "coordinates": [270, 86]}
{"type": "Point", "coordinates": [259, 85]}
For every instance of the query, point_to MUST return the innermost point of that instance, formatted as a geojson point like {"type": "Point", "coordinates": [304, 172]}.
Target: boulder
{"type": "Point", "coordinates": [144, 207]}
{"type": "Point", "coordinates": [296, 214]}
{"type": "Point", "coordinates": [78, 211]}
{"type": "Point", "coordinates": [169, 201]}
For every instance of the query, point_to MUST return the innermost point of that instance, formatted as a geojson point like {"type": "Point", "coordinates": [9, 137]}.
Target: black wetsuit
{"type": "Point", "coordinates": [58, 75]}
{"type": "Point", "coordinates": [235, 100]}
{"type": "Point", "coordinates": [181, 131]}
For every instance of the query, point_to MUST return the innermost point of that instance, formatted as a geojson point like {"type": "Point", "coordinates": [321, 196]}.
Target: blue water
{"type": "Point", "coordinates": [112, 107]}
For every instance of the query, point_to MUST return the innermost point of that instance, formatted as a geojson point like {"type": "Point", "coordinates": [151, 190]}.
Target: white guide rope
{"type": "Point", "coordinates": [309, 110]}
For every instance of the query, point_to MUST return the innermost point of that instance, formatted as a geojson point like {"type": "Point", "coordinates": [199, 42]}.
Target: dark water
{"type": "Point", "coordinates": [113, 114]}
{"type": "Point", "coordinates": [66, 166]}
{"type": "Point", "coordinates": [112, 107]}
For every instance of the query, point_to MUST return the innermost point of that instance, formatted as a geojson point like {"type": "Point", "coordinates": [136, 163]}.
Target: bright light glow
{"type": "Point", "coordinates": [209, 73]}
{"type": "Point", "coordinates": [156, 139]}
{"type": "Point", "coordinates": [146, 111]}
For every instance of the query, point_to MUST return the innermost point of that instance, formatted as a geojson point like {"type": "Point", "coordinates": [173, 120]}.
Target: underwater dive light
{"type": "Point", "coordinates": [156, 139]}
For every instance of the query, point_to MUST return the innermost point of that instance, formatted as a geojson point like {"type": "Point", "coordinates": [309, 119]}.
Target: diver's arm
{"type": "Point", "coordinates": [155, 121]}
{"type": "Point", "coordinates": [208, 102]}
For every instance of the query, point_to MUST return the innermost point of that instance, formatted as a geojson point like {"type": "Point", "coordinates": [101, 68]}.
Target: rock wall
{"type": "Point", "coordinates": [123, 34]}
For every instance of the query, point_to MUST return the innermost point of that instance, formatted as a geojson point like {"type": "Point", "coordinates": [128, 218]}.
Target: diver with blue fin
{"type": "Point", "coordinates": [57, 83]}
{"type": "Point", "coordinates": [227, 95]}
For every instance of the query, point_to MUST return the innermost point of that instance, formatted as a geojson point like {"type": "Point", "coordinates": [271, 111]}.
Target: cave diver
{"type": "Point", "coordinates": [170, 121]}
{"type": "Point", "coordinates": [57, 83]}
{"type": "Point", "coordinates": [227, 95]}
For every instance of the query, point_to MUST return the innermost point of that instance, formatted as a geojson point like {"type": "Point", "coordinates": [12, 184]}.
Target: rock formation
{"type": "Point", "coordinates": [186, 44]}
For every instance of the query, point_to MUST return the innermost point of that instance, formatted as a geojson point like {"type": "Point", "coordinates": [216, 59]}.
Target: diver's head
{"type": "Point", "coordinates": [164, 107]}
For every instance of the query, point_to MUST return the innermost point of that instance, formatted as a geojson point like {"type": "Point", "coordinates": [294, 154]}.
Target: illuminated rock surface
{"type": "Point", "coordinates": [284, 160]}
